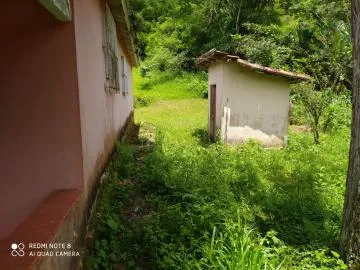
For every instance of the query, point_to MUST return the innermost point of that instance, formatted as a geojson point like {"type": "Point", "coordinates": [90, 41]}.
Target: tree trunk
{"type": "Point", "coordinates": [315, 128]}
{"type": "Point", "coordinates": [350, 234]}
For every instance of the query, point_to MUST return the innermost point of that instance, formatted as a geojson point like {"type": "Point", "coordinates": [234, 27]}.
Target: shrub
{"type": "Point", "coordinates": [315, 103]}
{"type": "Point", "coordinates": [198, 84]}
{"type": "Point", "coordinates": [298, 114]}
{"type": "Point", "coordinates": [338, 114]}
{"type": "Point", "coordinates": [142, 101]}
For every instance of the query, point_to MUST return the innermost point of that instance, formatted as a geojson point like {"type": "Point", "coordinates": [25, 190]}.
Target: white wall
{"type": "Point", "coordinates": [259, 103]}
{"type": "Point", "coordinates": [102, 114]}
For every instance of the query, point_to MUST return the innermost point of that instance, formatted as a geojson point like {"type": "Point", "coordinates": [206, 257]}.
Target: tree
{"type": "Point", "coordinates": [310, 36]}
{"type": "Point", "coordinates": [315, 103]}
{"type": "Point", "coordinates": [350, 234]}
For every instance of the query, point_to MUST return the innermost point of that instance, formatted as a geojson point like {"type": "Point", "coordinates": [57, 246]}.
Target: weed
{"type": "Point", "coordinates": [209, 206]}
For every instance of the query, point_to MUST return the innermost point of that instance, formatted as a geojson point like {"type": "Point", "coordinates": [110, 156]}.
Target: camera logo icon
{"type": "Point", "coordinates": [17, 250]}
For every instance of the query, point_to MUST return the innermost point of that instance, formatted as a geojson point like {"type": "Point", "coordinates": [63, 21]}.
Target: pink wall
{"type": "Point", "coordinates": [102, 115]}
{"type": "Point", "coordinates": [40, 138]}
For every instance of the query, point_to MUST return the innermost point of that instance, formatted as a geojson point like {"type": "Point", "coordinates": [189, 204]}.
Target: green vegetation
{"type": "Point", "coordinates": [178, 202]}
{"type": "Point", "coordinates": [311, 36]}
{"type": "Point", "coordinates": [180, 120]}
{"type": "Point", "coordinates": [182, 203]}
{"type": "Point", "coordinates": [164, 86]}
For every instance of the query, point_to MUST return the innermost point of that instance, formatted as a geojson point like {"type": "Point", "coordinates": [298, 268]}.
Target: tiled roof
{"type": "Point", "coordinates": [211, 56]}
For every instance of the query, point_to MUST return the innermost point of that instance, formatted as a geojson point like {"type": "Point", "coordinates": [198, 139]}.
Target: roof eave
{"type": "Point", "coordinates": [120, 11]}
{"type": "Point", "coordinates": [213, 55]}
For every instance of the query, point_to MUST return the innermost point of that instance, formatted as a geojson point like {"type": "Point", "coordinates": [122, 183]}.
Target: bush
{"type": "Point", "coordinates": [198, 84]}
{"type": "Point", "coordinates": [315, 103]}
{"type": "Point", "coordinates": [298, 115]}
{"type": "Point", "coordinates": [142, 101]}
{"type": "Point", "coordinates": [338, 114]}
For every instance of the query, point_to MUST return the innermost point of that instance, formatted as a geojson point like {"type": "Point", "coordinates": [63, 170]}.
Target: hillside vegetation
{"type": "Point", "coordinates": [171, 200]}
{"type": "Point", "coordinates": [310, 36]}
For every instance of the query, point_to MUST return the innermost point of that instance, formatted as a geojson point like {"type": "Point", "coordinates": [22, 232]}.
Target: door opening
{"type": "Point", "coordinates": [212, 131]}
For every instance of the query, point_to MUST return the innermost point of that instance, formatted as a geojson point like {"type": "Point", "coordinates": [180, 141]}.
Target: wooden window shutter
{"type": "Point", "coordinates": [111, 53]}
{"type": "Point", "coordinates": [124, 79]}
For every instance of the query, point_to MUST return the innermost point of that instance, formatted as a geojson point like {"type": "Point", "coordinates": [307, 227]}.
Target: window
{"type": "Point", "coordinates": [124, 79]}
{"type": "Point", "coordinates": [111, 54]}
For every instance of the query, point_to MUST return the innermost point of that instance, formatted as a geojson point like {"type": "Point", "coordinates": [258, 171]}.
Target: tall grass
{"type": "Point", "coordinates": [218, 207]}
{"type": "Point", "coordinates": [235, 248]}
{"type": "Point", "coordinates": [277, 209]}
{"type": "Point", "coordinates": [296, 192]}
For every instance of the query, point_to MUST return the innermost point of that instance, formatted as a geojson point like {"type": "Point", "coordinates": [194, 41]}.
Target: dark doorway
{"type": "Point", "coordinates": [212, 131]}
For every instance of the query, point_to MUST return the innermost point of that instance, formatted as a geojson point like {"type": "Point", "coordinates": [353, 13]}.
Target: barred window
{"type": "Point", "coordinates": [111, 54]}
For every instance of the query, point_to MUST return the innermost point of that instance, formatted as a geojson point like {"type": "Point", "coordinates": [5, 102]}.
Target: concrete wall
{"type": "Point", "coordinates": [102, 114]}
{"type": "Point", "coordinates": [40, 138]}
{"type": "Point", "coordinates": [259, 104]}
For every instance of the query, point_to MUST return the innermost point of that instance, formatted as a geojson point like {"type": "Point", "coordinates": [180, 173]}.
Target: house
{"type": "Point", "coordinates": [65, 98]}
{"type": "Point", "coordinates": [247, 101]}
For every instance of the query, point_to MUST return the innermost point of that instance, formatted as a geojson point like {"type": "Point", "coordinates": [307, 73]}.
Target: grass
{"type": "Point", "coordinates": [183, 204]}
{"type": "Point", "coordinates": [168, 87]}
{"type": "Point", "coordinates": [177, 119]}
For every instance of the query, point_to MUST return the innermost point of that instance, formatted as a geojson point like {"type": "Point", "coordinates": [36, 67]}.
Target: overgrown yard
{"type": "Point", "coordinates": [181, 203]}
{"type": "Point", "coordinates": [179, 120]}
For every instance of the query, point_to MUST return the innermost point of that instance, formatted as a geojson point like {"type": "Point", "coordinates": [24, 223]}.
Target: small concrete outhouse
{"type": "Point", "coordinates": [247, 101]}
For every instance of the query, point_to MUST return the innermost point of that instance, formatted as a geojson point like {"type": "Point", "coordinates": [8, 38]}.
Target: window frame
{"type": "Point", "coordinates": [111, 54]}
{"type": "Point", "coordinates": [124, 79]}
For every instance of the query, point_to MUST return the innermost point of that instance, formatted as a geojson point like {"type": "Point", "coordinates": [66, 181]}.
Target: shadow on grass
{"type": "Point", "coordinates": [192, 189]}
{"type": "Point", "coordinates": [299, 218]}
{"type": "Point", "coordinates": [140, 134]}
{"type": "Point", "coordinates": [202, 136]}
{"type": "Point", "coordinates": [293, 205]}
